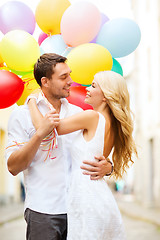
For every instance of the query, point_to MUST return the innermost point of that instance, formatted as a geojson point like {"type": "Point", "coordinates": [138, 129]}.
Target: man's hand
{"type": "Point", "coordinates": [97, 169]}
{"type": "Point", "coordinates": [48, 123]}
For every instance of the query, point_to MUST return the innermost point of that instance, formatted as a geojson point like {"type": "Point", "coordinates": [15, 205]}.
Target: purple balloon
{"type": "Point", "coordinates": [104, 19]}
{"type": "Point", "coordinates": [16, 15]}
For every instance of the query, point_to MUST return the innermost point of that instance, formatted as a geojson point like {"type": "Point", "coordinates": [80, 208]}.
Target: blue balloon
{"type": "Point", "coordinates": [55, 44]}
{"type": "Point", "coordinates": [120, 36]}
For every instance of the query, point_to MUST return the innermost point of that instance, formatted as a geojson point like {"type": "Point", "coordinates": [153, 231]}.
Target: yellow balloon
{"type": "Point", "coordinates": [88, 59]}
{"type": "Point", "coordinates": [30, 85]}
{"type": "Point", "coordinates": [49, 13]}
{"type": "Point", "coordinates": [2, 67]}
{"type": "Point", "coordinates": [1, 61]}
{"type": "Point", "coordinates": [19, 50]}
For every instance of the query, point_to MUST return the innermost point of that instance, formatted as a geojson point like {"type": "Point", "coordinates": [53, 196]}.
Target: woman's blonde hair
{"type": "Point", "coordinates": [116, 93]}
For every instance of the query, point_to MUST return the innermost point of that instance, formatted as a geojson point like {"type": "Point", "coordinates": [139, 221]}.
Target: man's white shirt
{"type": "Point", "coordinates": [46, 181]}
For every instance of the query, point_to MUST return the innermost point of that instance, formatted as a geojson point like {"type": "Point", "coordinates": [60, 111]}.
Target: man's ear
{"type": "Point", "coordinates": [44, 81]}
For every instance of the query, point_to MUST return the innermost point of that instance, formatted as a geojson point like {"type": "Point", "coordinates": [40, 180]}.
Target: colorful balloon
{"type": "Point", "coordinates": [117, 67]}
{"type": "Point", "coordinates": [21, 74]}
{"type": "Point", "coordinates": [104, 19]}
{"type": "Point", "coordinates": [77, 97]}
{"type": "Point", "coordinates": [80, 23]}
{"type": "Point", "coordinates": [120, 36]}
{"type": "Point", "coordinates": [30, 84]}
{"type": "Point", "coordinates": [54, 44]}
{"type": "Point", "coordinates": [16, 15]}
{"type": "Point", "coordinates": [42, 37]}
{"type": "Point", "coordinates": [1, 61]}
{"type": "Point", "coordinates": [19, 50]}
{"type": "Point", "coordinates": [49, 13]}
{"type": "Point", "coordinates": [3, 67]}
{"type": "Point", "coordinates": [11, 88]}
{"type": "Point", "coordinates": [74, 84]}
{"type": "Point", "coordinates": [86, 60]}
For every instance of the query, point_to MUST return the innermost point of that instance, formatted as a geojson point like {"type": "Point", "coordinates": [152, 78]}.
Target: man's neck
{"type": "Point", "coordinates": [56, 103]}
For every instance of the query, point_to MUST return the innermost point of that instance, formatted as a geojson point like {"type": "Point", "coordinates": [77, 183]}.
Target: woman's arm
{"type": "Point", "coordinates": [36, 115]}
{"type": "Point", "coordinates": [84, 120]}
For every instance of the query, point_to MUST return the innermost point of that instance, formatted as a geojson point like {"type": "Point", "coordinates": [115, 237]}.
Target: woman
{"type": "Point", "coordinates": [92, 210]}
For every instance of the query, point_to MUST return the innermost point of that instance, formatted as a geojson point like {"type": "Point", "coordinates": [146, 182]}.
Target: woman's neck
{"type": "Point", "coordinates": [103, 109]}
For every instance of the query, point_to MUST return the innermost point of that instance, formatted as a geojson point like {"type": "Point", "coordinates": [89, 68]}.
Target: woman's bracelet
{"type": "Point", "coordinates": [108, 174]}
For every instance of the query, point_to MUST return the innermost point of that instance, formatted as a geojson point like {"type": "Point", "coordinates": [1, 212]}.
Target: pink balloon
{"type": "Point", "coordinates": [16, 15]}
{"type": "Point", "coordinates": [41, 37]}
{"type": "Point", "coordinates": [80, 23]}
{"type": "Point", "coordinates": [74, 84]}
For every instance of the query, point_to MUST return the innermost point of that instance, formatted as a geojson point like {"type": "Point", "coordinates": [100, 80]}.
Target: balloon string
{"type": "Point", "coordinates": [48, 141]}
{"type": "Point", "coordinates": [53, 141]}
{"type": "Point", "coordinates": [27, 81]}
{"type": "Point", "coordinates": [16, 144]}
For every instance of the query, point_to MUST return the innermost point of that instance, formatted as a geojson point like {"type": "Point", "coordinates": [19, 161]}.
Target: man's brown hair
{"type": "Point", "coordinates": [44, 67]}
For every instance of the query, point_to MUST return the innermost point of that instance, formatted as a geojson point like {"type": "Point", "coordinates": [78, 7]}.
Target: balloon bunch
{"type": "Point", "coordinates": [18, 52]}
{"type": "Point", "coordinates": [89, 39]}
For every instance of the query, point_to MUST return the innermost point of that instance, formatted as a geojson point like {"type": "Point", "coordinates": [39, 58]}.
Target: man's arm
{"type": "Point", "coordinates": [97, 169]}
{"type": "Point", "coordinates": [20, 159]}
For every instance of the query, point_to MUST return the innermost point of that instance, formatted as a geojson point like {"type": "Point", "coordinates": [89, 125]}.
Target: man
{"type": "Point", "coordinates": [46, 168]}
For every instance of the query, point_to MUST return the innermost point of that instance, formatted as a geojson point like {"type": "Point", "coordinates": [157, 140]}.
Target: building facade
{"type": "Point", "coordinates": [9, 185]}
{"type": "Point", "coordinates": [146, 77]}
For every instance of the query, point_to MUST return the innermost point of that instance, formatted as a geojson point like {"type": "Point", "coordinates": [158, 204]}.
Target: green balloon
{"type": "Point", "coordinates": [86, 85]}
{"type": "Point", "coordinates": [20, 73]}
{"type": "Point", "coordinates": [117, 67]}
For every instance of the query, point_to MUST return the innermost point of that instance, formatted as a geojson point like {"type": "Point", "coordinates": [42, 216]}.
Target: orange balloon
{"type": "Point", "coordinates": [49, 13]}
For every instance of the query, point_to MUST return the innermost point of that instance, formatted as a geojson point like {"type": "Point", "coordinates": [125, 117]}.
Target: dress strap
{"type": "Point", "coordinates": [100, 131]}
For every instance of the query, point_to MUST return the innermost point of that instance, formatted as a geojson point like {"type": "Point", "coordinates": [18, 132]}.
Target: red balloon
{"type": "Point", "coordinates": [11, 88]}
{"type": "Point", "coordinates": [77, 97]}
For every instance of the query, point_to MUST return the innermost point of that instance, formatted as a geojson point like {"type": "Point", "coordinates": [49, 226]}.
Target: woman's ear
{"type": "Point", "coordinates": [44, 81]}
{"type": "Point", "coordinates": [104, 99]}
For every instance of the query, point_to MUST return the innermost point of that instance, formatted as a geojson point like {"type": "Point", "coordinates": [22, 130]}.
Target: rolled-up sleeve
{"type": "Point", "coordinates": [17, 131]}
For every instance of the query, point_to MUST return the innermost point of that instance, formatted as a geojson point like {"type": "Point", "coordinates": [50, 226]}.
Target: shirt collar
{"type": "Point", "coordinates": [64, 103]}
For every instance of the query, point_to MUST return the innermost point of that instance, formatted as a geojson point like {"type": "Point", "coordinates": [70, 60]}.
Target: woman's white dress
{"type": "Point", "coordinates": [92, 210]}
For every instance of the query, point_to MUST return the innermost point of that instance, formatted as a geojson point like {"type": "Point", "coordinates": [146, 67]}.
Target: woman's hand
{"type": "Point", "coordinates": [35, 93]}
{"type": "Point", "coordinates": [48, 123]}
